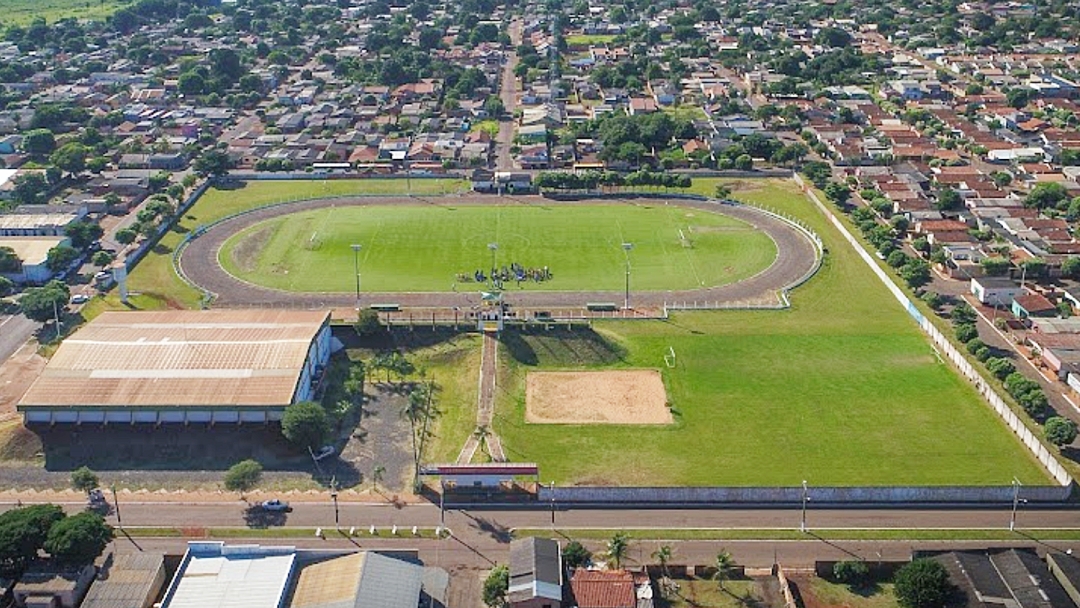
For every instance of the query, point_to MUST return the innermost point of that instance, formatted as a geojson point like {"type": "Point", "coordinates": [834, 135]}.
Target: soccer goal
{"type": "Point", "coordinates": [669, 358]}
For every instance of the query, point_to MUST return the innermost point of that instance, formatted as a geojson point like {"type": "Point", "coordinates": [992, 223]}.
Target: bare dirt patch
{"type": "Point", "coordinates": [246, 253]}
{"type": "Point", "coordinates": [600, 397]}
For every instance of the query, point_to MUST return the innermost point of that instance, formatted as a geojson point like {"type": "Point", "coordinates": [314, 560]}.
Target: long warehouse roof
{"type": "Point", "coordinates": [180, 358]}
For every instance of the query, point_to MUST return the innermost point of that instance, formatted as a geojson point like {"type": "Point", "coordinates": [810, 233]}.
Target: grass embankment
{"type": "Point", "coordinates": [842, 389]}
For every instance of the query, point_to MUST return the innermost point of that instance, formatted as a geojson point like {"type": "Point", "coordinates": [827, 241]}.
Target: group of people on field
{"type": "Point", "coordinates": [513, 272]}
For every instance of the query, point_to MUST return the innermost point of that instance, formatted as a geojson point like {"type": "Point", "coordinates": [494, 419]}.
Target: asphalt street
{"type": "Point", "coordinates": [15, 330]}
{"type": "Point", "coordinates": [362, 515]}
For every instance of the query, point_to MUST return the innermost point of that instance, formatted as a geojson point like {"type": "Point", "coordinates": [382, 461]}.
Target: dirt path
{"type": "Point", "coordinates": [485, 409]}
{"type": "Point", "coordinates": [795, 258]}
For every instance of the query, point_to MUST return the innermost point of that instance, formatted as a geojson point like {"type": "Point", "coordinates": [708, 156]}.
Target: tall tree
{"type": "Point", "coordinates": [79, 539]}
{"type": "Point", "coordinates": [305, 424]}
{"type": "Point", "coordinates": [724, 566]}
{"type": "Point", "coordinates": [922, 583]}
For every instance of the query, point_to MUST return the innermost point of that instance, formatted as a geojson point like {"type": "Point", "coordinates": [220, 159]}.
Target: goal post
{"type": "Point", "coordinates": [669, 358]}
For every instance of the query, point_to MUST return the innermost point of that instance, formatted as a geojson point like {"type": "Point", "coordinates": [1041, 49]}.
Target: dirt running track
{"type": "Point", "coordinates": [199, 262]}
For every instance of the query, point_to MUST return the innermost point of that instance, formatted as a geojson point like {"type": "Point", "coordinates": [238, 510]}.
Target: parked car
{"type": "Point", "coordinates": [275, 505]}
{"type": "Point", "coordinates": [80, 298]}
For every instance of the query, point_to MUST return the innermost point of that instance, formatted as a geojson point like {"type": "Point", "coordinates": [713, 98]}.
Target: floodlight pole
{"type": "Point", "coordinates": [1016, 503]}
{"type": "Point", "coordinates": [493, 247]}
{"type": "Point", "coordinates": [356, 271]}
{"type": "Point", "coordinates": [626, 252]}
{"type": "Point", "coordinates": [442, 502]}
{"type": "Point", "coordinates": [805, 499]}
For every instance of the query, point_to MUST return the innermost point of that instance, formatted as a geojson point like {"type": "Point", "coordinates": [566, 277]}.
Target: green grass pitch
{"type": "Point", "coordinates": [842, 389]}
{"type": "Point", "coordinates": [425, 247]}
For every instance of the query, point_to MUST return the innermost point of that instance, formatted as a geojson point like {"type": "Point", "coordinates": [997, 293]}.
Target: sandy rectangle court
{"type": "Point", "coordinates": [600, 397]}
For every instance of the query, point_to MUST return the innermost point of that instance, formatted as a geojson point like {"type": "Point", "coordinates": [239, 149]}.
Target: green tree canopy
{"type": "Point", "coordinates": [23, 533]}
{"type": "Point", "coordinates": [82, 233]}
{"type": "Point", "coordinates": [1060, 431]}
{"type": "Point", "coordinates": [78, 539]}
{"type": "Point", "coordinates": [305, 424]}
{"type": "Point", "coordinates": [923, 583]}
{"type": "Point", "coordinates": [496, 586]}
{"type": "Point", "coordinates": [84, 480]}
{"type": "Point", "coordinates": [60, 257]}
{"type": "Point", "coordinates": [40, 303]}
{"type": "Point", "coordinates": [243, 476]}
{"type": "Point", "coordinates": [39, 141]}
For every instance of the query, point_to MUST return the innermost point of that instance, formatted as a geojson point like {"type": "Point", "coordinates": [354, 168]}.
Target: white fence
{"type": "Point", "coordinates": [1028, 438]}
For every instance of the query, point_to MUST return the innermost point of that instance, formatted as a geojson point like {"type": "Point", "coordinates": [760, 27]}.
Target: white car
{"type": "Point", "coordinates": [275, 505]}
{"type": "Point", "coordinates": [80, 298]}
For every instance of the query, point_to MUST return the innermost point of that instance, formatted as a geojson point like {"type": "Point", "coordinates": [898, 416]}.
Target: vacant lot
{"type": "Point", "coordinates": [842, 389]}
{"type": "Point", "coordinates": [426, 247]}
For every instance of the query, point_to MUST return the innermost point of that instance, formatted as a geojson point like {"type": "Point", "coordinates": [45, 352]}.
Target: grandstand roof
{"type": "Point", "coordinates": [180, 358]}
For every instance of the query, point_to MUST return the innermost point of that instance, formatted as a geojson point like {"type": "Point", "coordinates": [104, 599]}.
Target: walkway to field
{"type": "Point", "coordinates": [796, 258]}
{"type": "Point", "coordinates": [485, 406]}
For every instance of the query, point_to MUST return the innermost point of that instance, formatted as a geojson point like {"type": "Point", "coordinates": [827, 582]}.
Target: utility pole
{"type": "Point", "coordinates": [356, 270]}
{"type": "Point", "coordinates": [333, 496]}
{"type": "Point", "coordinates": [1016, 503]}
{"type": "Point", "coordinates": [551, 487]}
{"type": "Point", "coordinates": [626, 252]}
{"type": "Point", "coordinates": [805, 499]}
{"type": "Point", "coordinates": [56, 319]}
{"type": "Point", "coordinates": [116, 505]}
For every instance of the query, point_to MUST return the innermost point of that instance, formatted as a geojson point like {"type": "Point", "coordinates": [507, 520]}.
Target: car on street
{"type": "Point", "coordinates": [275, 505]}
{"type": "Point", "coordinates": [80, 298]}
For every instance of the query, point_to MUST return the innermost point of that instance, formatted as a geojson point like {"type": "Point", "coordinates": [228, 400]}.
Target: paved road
{"type": "Point", "coordinates": [199, 262]}
{"type": "Point", "coordinates": [508, 93]}
{"type": "Point", "coordinates": [15, 330]}
{"type": "Point", "coordinates": [362, 515]}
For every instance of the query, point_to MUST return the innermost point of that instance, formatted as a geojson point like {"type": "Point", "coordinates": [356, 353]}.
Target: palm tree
{"type": "Point", "coordinates": [723, 191]}
{"type": "Point", "coordinates": [724, 565]}
{"type": "Point", "coordinates": [618, 548]}
{"type": "Point", "coordinates": [662, 556]}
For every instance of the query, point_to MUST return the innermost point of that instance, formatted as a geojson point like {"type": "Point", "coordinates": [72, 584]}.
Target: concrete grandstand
{"type": "Point", "coordinates": [183, 367]}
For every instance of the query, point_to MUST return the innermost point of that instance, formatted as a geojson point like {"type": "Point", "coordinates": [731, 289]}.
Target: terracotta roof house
{"type": "Point", "coordinates": [603, 589]}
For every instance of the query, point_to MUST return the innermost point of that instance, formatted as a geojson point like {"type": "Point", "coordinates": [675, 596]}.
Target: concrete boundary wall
{"type": "Point", "coordinates": [885, 495]}
{"type": "Point", "coordinates": [1029, 439]}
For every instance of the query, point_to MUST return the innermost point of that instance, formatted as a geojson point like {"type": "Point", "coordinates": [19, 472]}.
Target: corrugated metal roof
{"type": "Point", "coordinates": [358, 581]}
{"type": "Point", "coordinates": [133, 580]}
{"type": "Point", "coordinates": [180, 358]}
{"type": "Point", "coordinates": [237, 576]}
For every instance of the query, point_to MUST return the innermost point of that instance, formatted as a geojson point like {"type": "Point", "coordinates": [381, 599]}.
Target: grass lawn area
{"type": "Point", "coordinates": [841, 389]}
{"type": "Point", "coordinates": [22, 12]}
{"type": "Point", "coordinates": [686, 112]}
{"type": "Point", "coordinates": [154, 275]}
{"type": "Point", "coordinates": [703, 593]}
{"type": "Point", "coordinates": [826, 593]}
{"type": "Point", "coordinates": [491, 127]}
{"type": "Point", "coordinates": [588, 39]}
{"type": "Point", "coordinates": [453, 365]}
{"type": "Point", "coordinates": [581, 244]}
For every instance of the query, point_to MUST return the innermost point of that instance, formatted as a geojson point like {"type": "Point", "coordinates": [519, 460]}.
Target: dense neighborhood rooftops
{"type": "Point", "coordinates": [241, 358]}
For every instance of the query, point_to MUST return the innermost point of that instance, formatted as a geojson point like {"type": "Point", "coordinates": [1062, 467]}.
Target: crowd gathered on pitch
{"type": "Point", "coordinates": [499, 276]}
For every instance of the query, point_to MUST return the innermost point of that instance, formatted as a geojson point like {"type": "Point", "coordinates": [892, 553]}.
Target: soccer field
{"type": "Point", "coordinates": [841, 389]}
{"type": "Point", "coordinates": [426, 247]}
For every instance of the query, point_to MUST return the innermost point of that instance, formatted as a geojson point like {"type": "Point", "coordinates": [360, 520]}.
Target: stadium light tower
{"type": "Point", "coordinates": [626, 252]}
{"type": "Point", "coordinates": [493, 247]}
{"type": "Point", "coordinates": [356, 271]}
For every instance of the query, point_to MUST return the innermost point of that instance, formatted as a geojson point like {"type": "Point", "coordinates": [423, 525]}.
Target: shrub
{"type": "Point", "coordinates": [1060, 431]}
{"type": "Point", "coordinates": [922, 584]}
{"type": "Point", "coordinates": [853, 573]}
{"type": "Point", "coordinates": [1000, 367]}
{"type": "Point", "coordinates": [966, 332]}
{"type": "Point", "coordinates": [974, 344]}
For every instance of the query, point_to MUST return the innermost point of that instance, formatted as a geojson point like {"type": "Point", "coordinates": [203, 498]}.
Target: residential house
{"type": "Point", "coordinates": [995, 291]}
{"type": "Point", "coordinates": [536, 574]}
{"type": "Point", "coordinates": [50, 585]}
{"type": "Point", "coordinates": [1031, 304]}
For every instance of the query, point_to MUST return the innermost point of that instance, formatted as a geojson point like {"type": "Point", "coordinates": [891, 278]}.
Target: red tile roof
{"type": "Point", "coordinates": [603, 589]}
